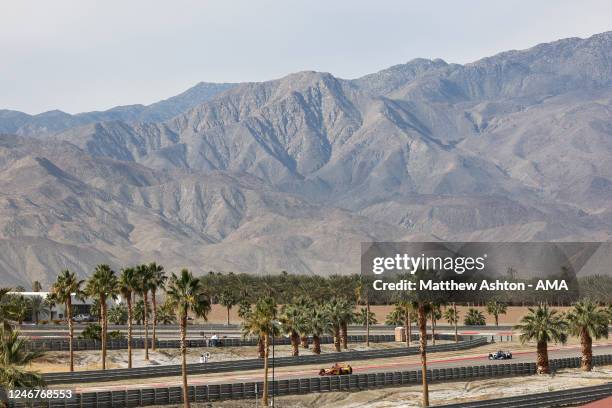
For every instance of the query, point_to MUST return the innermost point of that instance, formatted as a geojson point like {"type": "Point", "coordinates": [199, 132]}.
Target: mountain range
{"type": "Point", "coordinates": [294, 173]}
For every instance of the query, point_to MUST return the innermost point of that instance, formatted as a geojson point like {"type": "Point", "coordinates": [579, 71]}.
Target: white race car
{"type": "Point", "coordinates": [500, 355]}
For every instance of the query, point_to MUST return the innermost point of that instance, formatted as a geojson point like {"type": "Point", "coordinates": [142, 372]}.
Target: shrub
{"type": "Point", "coordinates": [118, 314]}
{"type": "Point", "coordinates": [474, 317]}
{"type": "Point", "coordinates": [91, 332]}
{"type": "Point", "coordinates": [116, 335]}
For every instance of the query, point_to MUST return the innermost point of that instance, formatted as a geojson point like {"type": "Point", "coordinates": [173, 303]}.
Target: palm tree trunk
{"type": "Point", "coordinates": [104, 328]}
{"type": "Point", "coordinates": [433, 328]}
{"type": "Point", "coordinates": [409, 334]}
{"type": "Point", "coordinates": [154, 302]}
{"type": "Point", "coordinates": [337, 337]}
{"type": "Point", "coordinates": [295, 344]}
{"type": "Point", "coordinates": [264, 398]}
{"type": "Point", "coordinates": [129, 339]}
{"type": "Point", "coordinates": [316, 344]}
{"type": "Point", "coordinates": [456, 319]}
{"type": "Point", "coordinates": [70, 332]}
{"type": "Point", "coordinates": [184, 360]}
{"type": "Point", "coordinates": [304, 341]}
{"type": "Point", "coordinates": [423, 349]}
{"type": "Point", "coordinates": [367, 321]}
{"type": "Point", "coordinates": [407, 325]}
{"type": "Point", "coordinates": [261, 348]}
{"type": "Point", "coordinates": [344, 335]}
{"type": "Point", "coordinates": [228, 316]}
{"type": "Point", "coordinates": [146, 324]}
{"type": "Point", "coordinates": [587, 350]}
{"type": "Point", "coordinates": [542, 358]}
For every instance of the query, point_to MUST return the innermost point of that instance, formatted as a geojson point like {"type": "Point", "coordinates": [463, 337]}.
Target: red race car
{"type": "Point", "coordinates": [337, 369]}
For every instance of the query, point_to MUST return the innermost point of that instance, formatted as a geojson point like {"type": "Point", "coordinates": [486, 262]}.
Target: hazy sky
{"type": "Point", "coordinates": [80, 55]}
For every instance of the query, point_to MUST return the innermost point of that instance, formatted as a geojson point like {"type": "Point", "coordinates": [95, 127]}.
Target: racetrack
{"type": "Point", "coordinates": [438, 360]}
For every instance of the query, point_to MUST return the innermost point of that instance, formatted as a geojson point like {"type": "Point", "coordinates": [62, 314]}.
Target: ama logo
{"type": "Point", "coordinates": [552, 285]}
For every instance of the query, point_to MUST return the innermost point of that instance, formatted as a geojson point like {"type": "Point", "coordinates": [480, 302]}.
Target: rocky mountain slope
{"type": "Point", "coordinates": [294, 173]}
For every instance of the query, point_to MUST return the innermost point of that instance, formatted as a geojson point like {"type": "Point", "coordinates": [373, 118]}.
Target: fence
{"type": "Point", "coordinates": [89, 344]}
{"type": "Point", "coordinates": [355, 382]}
{"type": "Point", "coordinates": [246, 364]}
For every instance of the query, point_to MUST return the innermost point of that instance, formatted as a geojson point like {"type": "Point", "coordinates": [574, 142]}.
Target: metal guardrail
{"type": "Point", "coordinates": [247, 364]}
{"type": "Point", "coordinates": [355, 382]}
{"type": "Point", "coordinates": [545, 399]}
{"type": "Point", "coordinates": [138, 343]}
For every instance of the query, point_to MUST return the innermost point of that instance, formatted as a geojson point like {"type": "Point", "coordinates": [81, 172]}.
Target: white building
{"type": "Point", "coordinates": [57, 311]}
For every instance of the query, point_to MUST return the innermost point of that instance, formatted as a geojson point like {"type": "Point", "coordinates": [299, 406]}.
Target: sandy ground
{"type": "Point", "coordinates": [218, 314]}
{"type": "Point", "coordinates": [90, 360]}
{"type": "Point", "coordinates": [439, 393]}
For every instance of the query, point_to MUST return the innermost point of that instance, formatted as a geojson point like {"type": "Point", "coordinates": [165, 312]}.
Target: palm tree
{"type": "Point", "coordinates": [542, 325]}
{"type": "Point", "coordinates": [474, 317]}
{"type": "Point", "coordinates": [165, 314]}
{"type": "Point", "coordinates": [244, 309]}
{"type": "Point", "coordinates": [435, 315]}
{"type": "Point", "coordinates": [103, 285]}
{"type": "Point", "coordinates": [362, 293]}
{"type": "Point", "coordinates": [118, 314]}
{"type": "Point", "coordinates": [334, 313]}
{"type": "Point", "coordinates": [495, 308]}
{"type": "Point", "coordinates": [36, 306]}
{"type": "Point", "coordinates": [290, 319]}
{"type": "Point", "coordinates": [6, 308]}
{"type": "Point", "coordinates": [395, 317]}
{"type": "Point", "coordinates": [261, 322]}
{"type": "Point", "coordinates": [49, 303]}
{"type": "Point", "coordinates": [20, 305]}
{"type": "Point", "coordinates": [247, 316]}
{"type": "Point", "coordinates": [423, 309]}
{"type": "Point", "coordinates": [95, 310]}
{"type": "Point", "coordinates": [405, 309]}
{"type": "Point", "coordinates": [303, 304]}
{"type": "Point", "coordinates": [67, 285]}
{"type": "Point", "coordinates": [145, 279]}
{"type": "Point", "coordinates": [228, 300]}
{"type": "Point", "coordinates": [452, 317]}
{"type": "Point", "coordinates": [347, 316]}
{"type": "Point", "coordinates": [128, 284]}
{"type": "Point", "coordinates": [36, 286]}
{"type": "Point", "coordinates": [187, 294]}
{"type": "Point", "coordinates": [318, 324]}
{"type": "Point", "coordinates": [587, 321]}
{"type": "Point", "coordinates": [363, 317]}
{"type": "Point", "coordinates": [158, 280]}
{"type": "Point", "coordinates": [13, 357]}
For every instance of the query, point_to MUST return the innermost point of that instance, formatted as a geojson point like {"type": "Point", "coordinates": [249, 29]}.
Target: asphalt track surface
{"type": "Point", "coordinates": [387, 365]}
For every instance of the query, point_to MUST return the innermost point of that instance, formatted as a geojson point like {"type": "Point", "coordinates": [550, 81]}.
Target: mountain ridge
{"type": "Point", "coordinates": [293, 173]}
